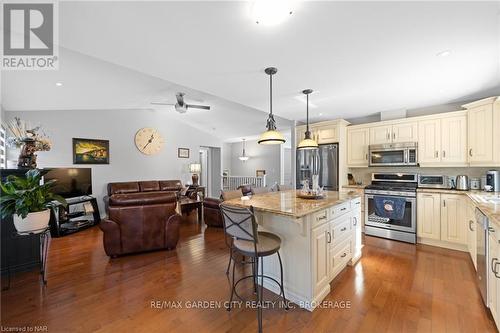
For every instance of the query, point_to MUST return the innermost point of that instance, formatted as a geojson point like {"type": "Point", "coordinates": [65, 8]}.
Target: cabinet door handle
{"type": "Point", "coordinates": [322, 218]}
{"type": "Point", "coordinates": [329, 237]}
{"type": "Point", "coordinates": [355, 222]}
{"type": "Point", "coordinates": [436, 154]}
{"type": "Point", "coordinates": [343, 255]}
{"type": "Point", "coordinates": [343, 229]}
{"type": "Point", "coordinates": [388, 135]}
{"type": "Point", "coordinates": [444, 154]}
{"type": "Point", "coordinates": [470, 152]}
{"type": "Point", "coordinates": [342, 209]}
{"type": "Point", "coordinates": [366, 156]}
{"type": "Point", "coordinates": [495, 269]}
{"type": "Point", "coordinates": [470, 225]}
{"type": "Point", "coordinates": [494, 263]}
{"type": "Point", "coordinates": [394, 136]}
{"type": "Point", "coordinates": [444, 203]}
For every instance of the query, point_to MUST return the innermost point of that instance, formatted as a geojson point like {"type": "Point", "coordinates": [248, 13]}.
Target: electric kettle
{"type": "Point", "coordinates": [462, 183]}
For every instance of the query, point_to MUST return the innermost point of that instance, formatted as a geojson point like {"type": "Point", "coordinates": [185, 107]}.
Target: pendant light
{"type": "Point", "coordinates": [307, 143]}
{"type": "Point", "coordinates": [271, 136]}
{"type": "Point", "coordinates": [243, 156]}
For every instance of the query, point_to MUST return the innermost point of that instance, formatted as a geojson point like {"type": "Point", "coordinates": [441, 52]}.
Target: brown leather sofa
{"type": "Point", "coordinates": [141, 217]}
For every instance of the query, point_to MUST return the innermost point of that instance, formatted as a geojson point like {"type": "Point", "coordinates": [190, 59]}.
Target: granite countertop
{"type": "Point", "coordinates": [479, 198]}
{"type": "Point", "coordinates": [286, 203]}
{"type": "Point", "coordinates": [361, 187]}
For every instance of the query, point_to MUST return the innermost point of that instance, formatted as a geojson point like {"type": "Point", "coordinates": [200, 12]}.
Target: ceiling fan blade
{"type": "Point", "coordinates": [202, 107]}
{"type": "Point", "coordinates": [159, 103]}
{"type": "Point", "coordinates": [180, 98]}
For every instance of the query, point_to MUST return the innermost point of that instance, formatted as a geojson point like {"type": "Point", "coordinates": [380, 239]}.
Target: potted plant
{"type": "Point", "coordinates": [28, 201]}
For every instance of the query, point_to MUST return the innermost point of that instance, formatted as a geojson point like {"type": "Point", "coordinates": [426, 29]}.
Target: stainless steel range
{"type": "Point", "coordinates": [391, 206]}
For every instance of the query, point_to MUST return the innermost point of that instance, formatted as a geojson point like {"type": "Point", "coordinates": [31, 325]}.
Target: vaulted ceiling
{"type": "Point", "coordinates": [359, 57]}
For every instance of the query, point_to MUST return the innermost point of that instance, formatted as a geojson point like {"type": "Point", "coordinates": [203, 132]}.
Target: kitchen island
{"type": "Point", "coordinates": [319, 238]}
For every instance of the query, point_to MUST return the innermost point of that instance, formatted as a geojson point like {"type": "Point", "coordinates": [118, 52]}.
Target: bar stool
{"type": "Point", "coordinates": [240, 225]}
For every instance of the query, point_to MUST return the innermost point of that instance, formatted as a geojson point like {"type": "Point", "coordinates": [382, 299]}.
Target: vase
{"type": "Point", "coordinates": [27, 156]}
{"type": "Point", "coordinates": [35, 221]}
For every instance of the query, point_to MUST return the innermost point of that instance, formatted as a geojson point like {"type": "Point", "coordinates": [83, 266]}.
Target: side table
{"type": "Point", "coordinates": [44, 235]}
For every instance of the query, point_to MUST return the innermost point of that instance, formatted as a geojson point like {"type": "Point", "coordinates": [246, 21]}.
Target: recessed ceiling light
{"type": "Point", "coordinates": [59, 84]}
{"type": "Point", "coordinates": [271, 12]}
{"type": "Point", "coordinates": [320, 113]}
{"type": "Point", "coordinates": [444, 53]}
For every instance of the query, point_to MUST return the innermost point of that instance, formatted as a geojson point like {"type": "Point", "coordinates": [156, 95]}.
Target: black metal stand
{"type": "Point", "coordinates": [65, 221]}
{"type": "Point", "coordinates": [44, 235]}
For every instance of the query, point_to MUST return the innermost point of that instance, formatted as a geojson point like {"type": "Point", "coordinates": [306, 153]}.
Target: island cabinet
{"type": "Point", "coordinates": [493, 269]}
{"type": "Point", "coordinates": [319, 238]}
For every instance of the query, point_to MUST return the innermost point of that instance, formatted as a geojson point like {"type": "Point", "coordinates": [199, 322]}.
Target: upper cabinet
{"type": "Point", "coordinates": [326, 134]}
{"type": "Point", "coordinates": [402, 132]}
{"type": "Point", "coordinates": [443, 141]}
{"type": "Point", "coordinates": [480, 132]}
{"type": "Point", "coordinates": [357, 146]}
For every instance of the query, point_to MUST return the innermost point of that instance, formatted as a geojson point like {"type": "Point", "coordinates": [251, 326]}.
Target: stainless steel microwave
{"type": "Point", "coordinates": [393, 154]}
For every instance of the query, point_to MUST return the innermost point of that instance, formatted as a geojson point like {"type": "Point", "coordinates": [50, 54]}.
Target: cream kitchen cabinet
{"type": "Point", "coordinates": [481, 135]}
{"type": "Point", "coordinates": [429, 215]}
{"type": "Point", "coordinates": [471, 232]}
{"type": "Point", "coordinates": [320, 254]}
{"type": "Point", "coordinates": [453, 218]}
{"type": "Point", "coordinates": [429, 141]}
{"type": "Point", "coordinates": [443, 141]}
{"type": "Point", "coordinates": [357, 147]}
{"type": "Point", "coordinates": [396, 133]}
{"type": "Point", "coordinates": [493, 269]}
{"type": "Point", "coordinates": [326, 134]}
{"type": "Point", "coordinates": [442, 220]}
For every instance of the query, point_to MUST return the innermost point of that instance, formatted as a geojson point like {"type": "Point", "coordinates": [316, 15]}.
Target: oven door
{"type": "Point", "coordinates": [407, 223]}
{"type": "Point", "coordinates": [384, 157]}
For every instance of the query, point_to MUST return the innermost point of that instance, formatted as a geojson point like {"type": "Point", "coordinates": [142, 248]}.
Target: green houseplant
{"type": "Point", "coordinates": [27, 200]}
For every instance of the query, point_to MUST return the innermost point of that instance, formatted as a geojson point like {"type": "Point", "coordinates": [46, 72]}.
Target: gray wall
{"type": "Point", "coordinates": [119, 127]}
{"type": "Point", "coordinates": [262, 157]}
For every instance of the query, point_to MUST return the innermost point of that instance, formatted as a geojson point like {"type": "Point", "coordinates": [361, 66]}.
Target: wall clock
{"type": "Point", "coordinates": [149, 141]}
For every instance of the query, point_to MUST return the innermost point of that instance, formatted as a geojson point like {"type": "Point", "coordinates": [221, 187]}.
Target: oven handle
{"type": "Point", "coordinates": [408, 199]}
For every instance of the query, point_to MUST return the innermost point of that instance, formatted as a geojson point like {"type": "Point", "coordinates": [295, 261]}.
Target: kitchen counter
{"type": "Point", "coordinates": [286, 203]}
{"type": "Point", "coordinates": [319, 238]}
{"type": "Point", "coordinates": [479, 198]}
{"type": "Point", "coordinates": [359, 187]}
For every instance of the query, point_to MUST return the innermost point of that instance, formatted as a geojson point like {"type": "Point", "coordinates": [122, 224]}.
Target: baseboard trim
{"type": "Point", "coordinates": [443, 244]}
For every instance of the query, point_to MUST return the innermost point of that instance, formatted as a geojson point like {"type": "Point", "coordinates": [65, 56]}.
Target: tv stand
{"type": "Point", "coordinates": [80, 213]}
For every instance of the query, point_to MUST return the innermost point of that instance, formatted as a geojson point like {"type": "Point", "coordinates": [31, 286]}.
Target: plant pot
{"type": "Point", "coordinates": [34, 221]}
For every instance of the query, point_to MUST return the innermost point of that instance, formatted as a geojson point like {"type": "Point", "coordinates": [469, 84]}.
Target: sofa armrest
{"type": "Point", "coordinates": [111, 237]}
{"type": "Point", "coordinates": [212, 203]}
{"type": "Point", "coordinates": [172, 231]}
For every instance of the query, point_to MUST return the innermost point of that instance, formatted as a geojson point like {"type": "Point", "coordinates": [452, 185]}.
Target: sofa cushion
{"type": "Point", "coordinates": [149, 185]}
{"type": "Point", "coordinates": [170, 185]}
{"type": "Point", "coordinates": [123, 187]}
{"type": "Point", "coordinates": [142, 198]}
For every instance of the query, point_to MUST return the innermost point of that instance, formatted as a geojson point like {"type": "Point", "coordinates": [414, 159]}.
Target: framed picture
{"type": "Point", "coordinates": [90, 151]}
{"type": "Point", "coordinates": [183, 152]}
{"type": "Point", "coordinates": [260, 173]}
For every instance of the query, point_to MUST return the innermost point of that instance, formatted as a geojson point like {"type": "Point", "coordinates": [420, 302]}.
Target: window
{"type": "Point", "coordinates": [3, 148]}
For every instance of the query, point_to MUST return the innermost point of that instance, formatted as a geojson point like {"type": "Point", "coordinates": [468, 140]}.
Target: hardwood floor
{"type": "Point", "coordinates": [396, 287]}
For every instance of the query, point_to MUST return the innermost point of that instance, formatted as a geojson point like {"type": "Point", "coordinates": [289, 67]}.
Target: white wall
{"type": "Point", "coordinates": [119, 127]}
{"type": "Point", "coordinates": [262, 157]}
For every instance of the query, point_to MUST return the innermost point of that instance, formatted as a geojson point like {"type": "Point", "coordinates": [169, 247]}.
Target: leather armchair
{"type": "Point", "coordinates": [211, 210]}
{"type": "Point", "coordinates": [140, 222]}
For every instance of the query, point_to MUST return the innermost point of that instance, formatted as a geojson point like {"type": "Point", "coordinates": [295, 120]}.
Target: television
{"type": "Point", "coordinates": [71, 182]}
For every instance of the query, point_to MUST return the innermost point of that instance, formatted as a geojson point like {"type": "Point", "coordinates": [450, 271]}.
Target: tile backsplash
{"type": "Point", "coordinates": [364, 175]}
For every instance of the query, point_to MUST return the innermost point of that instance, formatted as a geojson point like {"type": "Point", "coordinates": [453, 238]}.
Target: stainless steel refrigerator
{"type": "Point", "coordinates": [323, 162]}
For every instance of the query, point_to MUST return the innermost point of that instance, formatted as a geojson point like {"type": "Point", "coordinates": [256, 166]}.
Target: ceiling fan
{"type": "Point", "coordinates": [181, 106]}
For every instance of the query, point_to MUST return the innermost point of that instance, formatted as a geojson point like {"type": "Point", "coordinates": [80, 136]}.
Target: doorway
{"type": "Point", "coordinates": [210, 177]}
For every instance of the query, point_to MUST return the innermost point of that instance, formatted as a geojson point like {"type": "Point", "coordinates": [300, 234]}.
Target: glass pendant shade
{"type": "Point", "coordinates": [271, 136]}
{"type": "Point", "coordinates": [243, 156]}
{"type": "Point", "coordinates": [307, 142]}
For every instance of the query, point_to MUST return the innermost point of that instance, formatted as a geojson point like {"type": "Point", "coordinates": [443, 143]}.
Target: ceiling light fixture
{"type": "Point", "coordinates": [270, 12]}
{"type": "Point", "coordinates": [243, 156]}
{"type": "Point", "coordinates": [444, 53]}
{"type": "Point", "coordinates": [59, 84]}
{"type": "Point", "coordinates": [308, 142]}
{"type": "Point", "coordinates": [271, 136]}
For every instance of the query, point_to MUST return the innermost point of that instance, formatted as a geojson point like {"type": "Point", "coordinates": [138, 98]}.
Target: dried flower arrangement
{"type": "Point", "coordinates": [30, 139]}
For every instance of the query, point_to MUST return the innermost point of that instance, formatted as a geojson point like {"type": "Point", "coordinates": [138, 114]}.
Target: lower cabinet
{"type": "Point", "coordinates": [471, 232]}
{"type": "Point", "coordinates": [494, 273]}
{"type": "Point", "coordinates": [335, 244]}
{"type": "Point", "coordinates": [442, 217]}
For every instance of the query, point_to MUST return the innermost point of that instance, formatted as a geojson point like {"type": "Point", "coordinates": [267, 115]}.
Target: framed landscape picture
{"type": "Point", "coordinates": [183, 152]}
{"type": "Point", "coordinates": [260, 173]}
{"type": "Point", "coordinates": [90, 151]}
